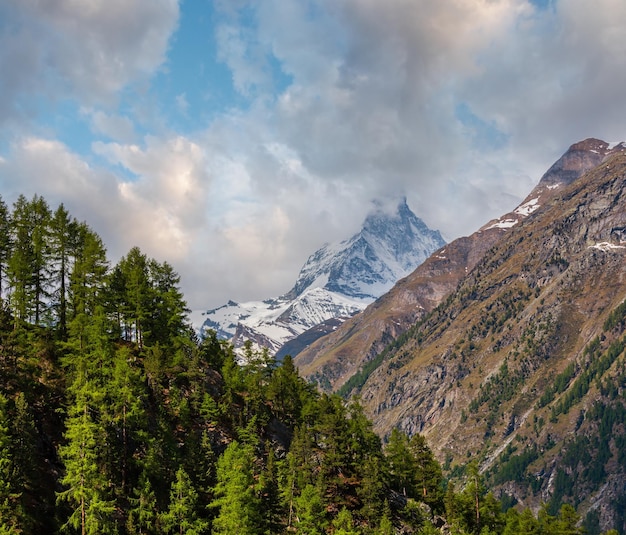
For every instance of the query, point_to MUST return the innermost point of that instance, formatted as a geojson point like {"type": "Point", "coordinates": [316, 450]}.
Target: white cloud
{"type": "Point", "coordinates": [368, 107]}
{"type": "Point", "coordinates": [112, 126]}
{"type": "Point", "coordinates": [88, 50]}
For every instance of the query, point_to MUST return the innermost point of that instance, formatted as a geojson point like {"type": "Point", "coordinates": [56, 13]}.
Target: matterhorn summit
{"type": "Point", "coordinates": [336, 282]}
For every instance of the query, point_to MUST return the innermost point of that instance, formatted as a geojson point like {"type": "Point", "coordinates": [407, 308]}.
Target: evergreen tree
{"type": "Point", "coordinates": [386, 525]}
{"type": "Point", "coordinates": [88, 275]}
{"type": "Point", "coordinates": [24, 439]}
{"type": "Point", "coordinates": [333, 441]}
{"type": "Point", "coordinates": [400, 461]}
{"type": "Point", "coordinates": [20, 263]}
{"type": "Point", "coordinates": [310, 512]}
{"type": "Point", "coordinates": [10, 514]}
{"type": "Point", "coordinates": [63, 239]}
{"type": "Point", "coordinates": [124, 413]}
{"type": "Point", "coordinates": [134, 270]}
{"type": "Point", "coordinates": [142, 515]}
{"type": "Point", "coordinates": [40, 230]}
{"type": "Point", "coordinates": [343, 524]}
{"type": "Point", "coordinates": [236, 498]}
{"type": "Point", "coordinates": [86, 485]}
{"type": "Point", "coordinates": [167, 321]}
{"type": "Point", "coordinates": [371, 491]}
{"type": "Point", "coordinates": [427, 475]}
{"type": "Point", "coordinates": [182, 515]}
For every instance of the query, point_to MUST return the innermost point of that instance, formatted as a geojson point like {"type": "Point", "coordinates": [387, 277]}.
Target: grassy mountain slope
{"type": "Point", "coordinates": [526, 356]}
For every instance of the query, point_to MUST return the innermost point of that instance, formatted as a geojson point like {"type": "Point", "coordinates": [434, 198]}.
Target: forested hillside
{"type": "Point", "coordinates": [114, 418]}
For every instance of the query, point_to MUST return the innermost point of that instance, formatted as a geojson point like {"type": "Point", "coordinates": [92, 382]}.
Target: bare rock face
{"type": "Point", "coordinates": [580, 158]}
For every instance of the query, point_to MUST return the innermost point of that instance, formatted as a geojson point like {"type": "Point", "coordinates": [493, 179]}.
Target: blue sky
{"type": "Point", "coordinates": [234, 137]}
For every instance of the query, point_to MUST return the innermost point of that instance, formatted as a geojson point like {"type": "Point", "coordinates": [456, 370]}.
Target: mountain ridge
{"type": "Point", "coordinates": [329, 361]}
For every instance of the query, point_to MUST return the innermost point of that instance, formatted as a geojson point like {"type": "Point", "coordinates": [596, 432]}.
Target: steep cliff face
{"type": "Point", "coordinates": [336, 357]}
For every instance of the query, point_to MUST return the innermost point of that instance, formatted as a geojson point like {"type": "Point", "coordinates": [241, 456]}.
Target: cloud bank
{"type": "Point", "coordinates": [459, 105]}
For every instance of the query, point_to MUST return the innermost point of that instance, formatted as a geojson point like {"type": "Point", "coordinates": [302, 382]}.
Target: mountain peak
{"type": "Point", "coordinates": [390, 244]}
{"type": "Point", "coordinates": [336, 281]}
{"type": "Point", "coordinates": [577, 160]}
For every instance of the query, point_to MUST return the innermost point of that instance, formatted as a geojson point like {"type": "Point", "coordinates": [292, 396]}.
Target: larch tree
{"type": "Point", "coordinates": [134, 270]}
{"type": "Point", "coordinates": [40, 230]}
{"type": "Point", "coordinates": [20, 263]}
{"type": "Point", "coordinates": [239, 506]}
{"type": "Point", "coordinates": [63, 240]}
{"type": "Point", "coordinates": [182, 516]}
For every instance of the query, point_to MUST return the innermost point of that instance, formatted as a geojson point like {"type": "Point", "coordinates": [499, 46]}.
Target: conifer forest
{"type": "Point", "coordinates": [115, 418]}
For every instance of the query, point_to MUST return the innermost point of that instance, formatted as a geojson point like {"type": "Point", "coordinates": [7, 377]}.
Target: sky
{"type": "Point", "coordinates": [233, 138]}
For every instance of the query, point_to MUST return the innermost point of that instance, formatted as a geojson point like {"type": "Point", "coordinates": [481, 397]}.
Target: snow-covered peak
{"type": "Point", "coordinates": [337, 281]}
{"type": "Point", "coordinates": [388, 247]}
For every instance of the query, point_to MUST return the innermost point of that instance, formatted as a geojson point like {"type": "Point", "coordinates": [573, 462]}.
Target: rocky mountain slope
{"type": "Point", "coordinates": [336, 282]}
{"type": "Point", "coordinates": [334, 359]}
{"type": "Point", "coordinates": [521, 364]}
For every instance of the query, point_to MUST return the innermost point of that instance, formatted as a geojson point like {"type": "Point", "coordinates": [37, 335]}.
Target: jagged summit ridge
{"type": "Point", "coordinates": [387, 248]}
{"type": "Point", "coordinates": [337, 281]}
